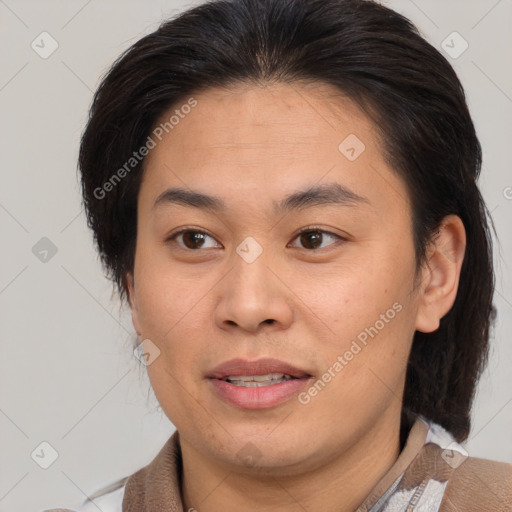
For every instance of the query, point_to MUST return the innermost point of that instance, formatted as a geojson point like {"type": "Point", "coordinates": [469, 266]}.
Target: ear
{"type": "Point", "coordinates": [441, 273]}
{"type": "Point", "coordinates": [133, 303]}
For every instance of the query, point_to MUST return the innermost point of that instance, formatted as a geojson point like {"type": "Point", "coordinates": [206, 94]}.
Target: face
{"type": "Point", "coordinates": [299, 263]}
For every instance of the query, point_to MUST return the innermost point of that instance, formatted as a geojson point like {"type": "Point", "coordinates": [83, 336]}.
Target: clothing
{"type": "Point", "coordinates": [431, 474]}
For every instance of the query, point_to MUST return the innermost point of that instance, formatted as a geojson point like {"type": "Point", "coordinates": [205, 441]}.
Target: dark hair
{"type": "Point", "coordinates": [375, 57]}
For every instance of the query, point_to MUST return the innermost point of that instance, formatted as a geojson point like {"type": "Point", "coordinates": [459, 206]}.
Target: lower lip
{"type": "Point", "coordinates": [258, 398]}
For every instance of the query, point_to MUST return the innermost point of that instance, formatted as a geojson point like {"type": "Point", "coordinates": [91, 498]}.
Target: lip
{"type": "Point", "coordinates": [237, 367]}
{"type": "Point", "coordinates": [257, 397]}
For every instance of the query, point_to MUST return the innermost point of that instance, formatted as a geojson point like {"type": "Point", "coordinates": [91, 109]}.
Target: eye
{"type": "Point", "coordinates": [192, 239]}
{"type": "Point", "coordinates": [313, 238]}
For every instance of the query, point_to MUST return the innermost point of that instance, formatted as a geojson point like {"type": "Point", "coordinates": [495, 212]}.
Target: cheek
{"type": "Point", "coordinates": [166, 295]}
{"type": "Point", "coordinates": [369, 310]}
{"type": "Point", "coordinates": [355, 294]}
{"type": "Point", "coordinates": [364, 367]}
{"type": "Point", "coordinates": [170, 312]}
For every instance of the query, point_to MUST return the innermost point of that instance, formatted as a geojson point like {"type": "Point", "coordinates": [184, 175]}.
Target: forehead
{"type": "Point", "coordinates": [274, 140]}
{"type": "Point", "coordinates": [243, 116]}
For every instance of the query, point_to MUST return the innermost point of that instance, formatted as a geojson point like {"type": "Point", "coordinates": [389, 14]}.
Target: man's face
{"type": "Point", "coordinates": [336, 302]}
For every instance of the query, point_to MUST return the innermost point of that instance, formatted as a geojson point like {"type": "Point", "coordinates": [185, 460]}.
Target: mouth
{"type": "Point", "coordinates": [267, 371]}
{"type": "Point", "coordinates": [258, 381]}
{"type": "Point", "coordinates": [260, 384]}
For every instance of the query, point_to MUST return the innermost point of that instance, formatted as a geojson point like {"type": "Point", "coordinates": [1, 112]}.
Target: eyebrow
{"type": "Point", "coordinates": [330, 193]}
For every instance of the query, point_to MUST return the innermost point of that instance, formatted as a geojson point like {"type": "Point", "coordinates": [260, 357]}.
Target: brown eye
{"type": "Point", "coordinates": [313, 239]}
{"type": "Point", "coordinates": [191, 239]}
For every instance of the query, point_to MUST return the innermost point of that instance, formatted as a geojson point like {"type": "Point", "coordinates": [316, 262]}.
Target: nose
{"type": "Point", "coordinates": [253, 296]}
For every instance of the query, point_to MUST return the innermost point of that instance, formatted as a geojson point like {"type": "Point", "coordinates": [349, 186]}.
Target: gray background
{"type": "Point", "coordinates": [67, 372]}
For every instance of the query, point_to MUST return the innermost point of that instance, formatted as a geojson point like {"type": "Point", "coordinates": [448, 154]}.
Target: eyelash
{"type": "Point", "coordinates": [307, 229]}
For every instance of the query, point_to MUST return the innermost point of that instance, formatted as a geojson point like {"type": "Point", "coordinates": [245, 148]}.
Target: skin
{"type": "Point", "coordinates": [252, 145]}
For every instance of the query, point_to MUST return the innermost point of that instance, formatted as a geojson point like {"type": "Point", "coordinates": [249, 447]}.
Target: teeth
{"type": "Point", "coordinates": [253, 384]}
{"type": "Point", "coordinates": [255, 381]}
{"type": "Point", "coordinates": [259, 378]}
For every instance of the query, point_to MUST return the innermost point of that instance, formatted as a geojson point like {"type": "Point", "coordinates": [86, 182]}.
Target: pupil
{"type": "Point", "coordinates": [188, 238]}
{"type": "Point", "coordinates": [314, 236]}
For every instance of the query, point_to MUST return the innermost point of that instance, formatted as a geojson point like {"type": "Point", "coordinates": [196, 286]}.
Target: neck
{"type": "Point", "coordinates": [341, 483]}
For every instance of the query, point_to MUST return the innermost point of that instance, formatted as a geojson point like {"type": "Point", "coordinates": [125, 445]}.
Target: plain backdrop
{"type": "Point", "coordinates": [68, 376]}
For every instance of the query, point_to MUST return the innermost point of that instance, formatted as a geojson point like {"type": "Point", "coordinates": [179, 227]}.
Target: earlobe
{"type": "Point", "coordinates": [441, 273]}
{"type": "Point", "coordinates": [133, 303]}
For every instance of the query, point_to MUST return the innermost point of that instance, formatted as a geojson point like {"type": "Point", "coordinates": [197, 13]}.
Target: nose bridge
{"type": "Point", "coordinates": [252, 295]}
{"type": "Point", "coordinates": [251, 276]}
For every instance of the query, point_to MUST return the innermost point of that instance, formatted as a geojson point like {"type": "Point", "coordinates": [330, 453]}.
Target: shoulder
{"type": "Point", "coordinates": [474, 484]}
{"type": "Point", "coordinates": [469, 484]}
{"type": "Point", "coordinates": [479, 484]}
{"type": "Point", "coordinates": [107, 499]}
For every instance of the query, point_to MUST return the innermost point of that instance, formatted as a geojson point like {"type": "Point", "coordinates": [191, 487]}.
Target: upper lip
{"type": "Point", "coordinates": [237, 367]}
